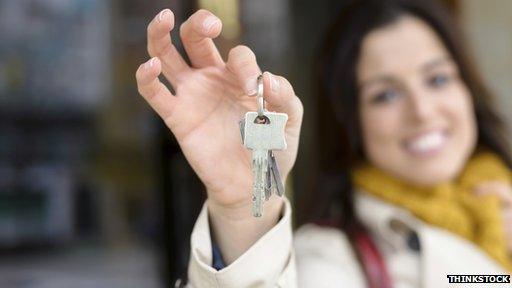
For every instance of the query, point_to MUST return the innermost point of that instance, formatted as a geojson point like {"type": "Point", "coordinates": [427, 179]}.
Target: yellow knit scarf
{"type": "Point", "coordinates": [452, 206]}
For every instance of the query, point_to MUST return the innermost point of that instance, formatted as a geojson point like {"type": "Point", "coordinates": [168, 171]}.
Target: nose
{"type": "Point", "coordinates": [420, 105]}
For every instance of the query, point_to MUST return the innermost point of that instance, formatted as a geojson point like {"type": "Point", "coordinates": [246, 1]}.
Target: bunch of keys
{"type": "Point", "coordinates": [262, 132]}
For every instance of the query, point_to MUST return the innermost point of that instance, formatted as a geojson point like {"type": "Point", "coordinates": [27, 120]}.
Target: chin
{"type": "Point", "coordinates": [431, 178]}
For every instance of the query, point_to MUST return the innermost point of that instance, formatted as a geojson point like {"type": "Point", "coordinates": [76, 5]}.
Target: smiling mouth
{"type": "Point", "coordinates": [427, 144]}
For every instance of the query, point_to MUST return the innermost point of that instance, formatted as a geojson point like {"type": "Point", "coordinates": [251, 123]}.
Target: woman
{"type": "Point", "coordinates": [418, 152]}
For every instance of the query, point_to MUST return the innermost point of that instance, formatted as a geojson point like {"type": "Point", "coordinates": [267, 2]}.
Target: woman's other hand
{"type": "Point", "coordinates": [504, 192]}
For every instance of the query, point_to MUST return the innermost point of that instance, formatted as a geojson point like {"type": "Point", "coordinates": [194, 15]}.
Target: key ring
{"type": "Point", "coordinates": [261, 101]}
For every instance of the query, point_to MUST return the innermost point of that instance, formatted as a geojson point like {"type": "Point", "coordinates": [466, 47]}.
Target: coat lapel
{"type": "Point", "coordinates": [442, 252]}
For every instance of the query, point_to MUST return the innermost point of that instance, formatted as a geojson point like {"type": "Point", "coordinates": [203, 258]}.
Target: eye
{"type": "Point", "coordinates": [438, 80]}
{"type": "Point", "coordinates": [385, 96]}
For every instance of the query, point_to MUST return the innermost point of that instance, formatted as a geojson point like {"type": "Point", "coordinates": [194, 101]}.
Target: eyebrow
{"type": "Point", "coordinates": [377, 79]}
{"type": "Point", "coordinates": [424, 68]}
{"type": "Point", "coordinates": [436, 62]}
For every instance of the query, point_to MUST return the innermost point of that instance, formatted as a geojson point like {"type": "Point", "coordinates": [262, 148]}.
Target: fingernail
{"type": "Point", "coordinates": [209, 22]}
{"type": "Point", "coordinates": [274, 83]}
{"type": "Point", "coordinates": [163, 14]}
{"type": "Point", "coordinates": [149, 64]}
{"type": "Point", "coordinates": [251, 86]}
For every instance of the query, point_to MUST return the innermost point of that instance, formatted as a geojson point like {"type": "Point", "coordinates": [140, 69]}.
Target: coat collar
{"type": "Point", "coordinates": [385, 221]}
{"type": "Point", "coordinates": [442, 252]}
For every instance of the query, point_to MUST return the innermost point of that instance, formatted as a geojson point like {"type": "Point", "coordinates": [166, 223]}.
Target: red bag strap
{"type": "Point", "coordinates": [372, 262]}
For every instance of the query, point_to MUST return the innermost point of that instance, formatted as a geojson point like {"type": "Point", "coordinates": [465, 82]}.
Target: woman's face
{"type": "Point", "coordinates": [417, 116]}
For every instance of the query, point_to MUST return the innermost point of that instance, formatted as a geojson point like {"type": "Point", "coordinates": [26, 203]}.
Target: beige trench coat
{"type": "Point", "coordinates": [316, 257]}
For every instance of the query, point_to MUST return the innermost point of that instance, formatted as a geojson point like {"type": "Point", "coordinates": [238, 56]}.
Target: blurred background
{"type": "Point", "coordinates": [94, 191]}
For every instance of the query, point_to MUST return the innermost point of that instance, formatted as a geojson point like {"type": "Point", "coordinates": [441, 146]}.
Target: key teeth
{"type": "Point", "coordinates": [242, 129]}
{"type": "Point", "coordinates": [280, 191]}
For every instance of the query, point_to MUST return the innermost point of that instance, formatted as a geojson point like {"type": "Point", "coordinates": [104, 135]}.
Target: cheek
{"type": "Point", "coordinates": [461, 112]}
{"type": "Point", "coordinates": [380, 130]}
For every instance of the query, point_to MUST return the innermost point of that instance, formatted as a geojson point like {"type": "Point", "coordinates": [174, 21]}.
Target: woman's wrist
{"type": "Point", "coordinates": [236, 230]}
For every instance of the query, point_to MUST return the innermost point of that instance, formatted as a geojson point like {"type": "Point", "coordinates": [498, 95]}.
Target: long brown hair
{"type": "Point", "coordinates": [339, 136]}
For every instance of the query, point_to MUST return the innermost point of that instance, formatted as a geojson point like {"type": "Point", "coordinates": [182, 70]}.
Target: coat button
{"type": "Point", "coordinates": [413, 241]}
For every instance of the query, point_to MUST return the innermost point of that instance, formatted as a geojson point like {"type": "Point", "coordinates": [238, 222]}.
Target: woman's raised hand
{"type": "Point", "coordinates": [503, 191]}
{"type": "Point", "coordinates": [211, 97]}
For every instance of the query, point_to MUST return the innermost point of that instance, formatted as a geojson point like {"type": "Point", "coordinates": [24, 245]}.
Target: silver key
{"type": "Point", "coordinates": [261, 134]}
{"type": "Point", "coordinates": [276, 176]}
{"type": "Point", "coordinates": [268, 178]}
{"type": "Point", "coordinates": [268, 136]}
{"type": "Point", "coordinates": [241, 124]}
{"type": "Point", "coordinates": [259, 172]}
{"type": "Point", "coordinates": [269, 184]}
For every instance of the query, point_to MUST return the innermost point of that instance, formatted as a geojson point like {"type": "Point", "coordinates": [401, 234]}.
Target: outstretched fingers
{"type": "Point", "coordinates": [160, 45]}
{"type": "Point", "coordinates": [196, 34]}
{"type": "Point", "coordinates": [154, 91]}
{"type": "Point", "coordinates": [242, 63]}
{"type": "Point", "coordinates": [278, 92]}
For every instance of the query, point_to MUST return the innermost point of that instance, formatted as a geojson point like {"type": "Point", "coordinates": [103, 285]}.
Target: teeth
{"type": "Point", "coordinates": [427, 142]}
